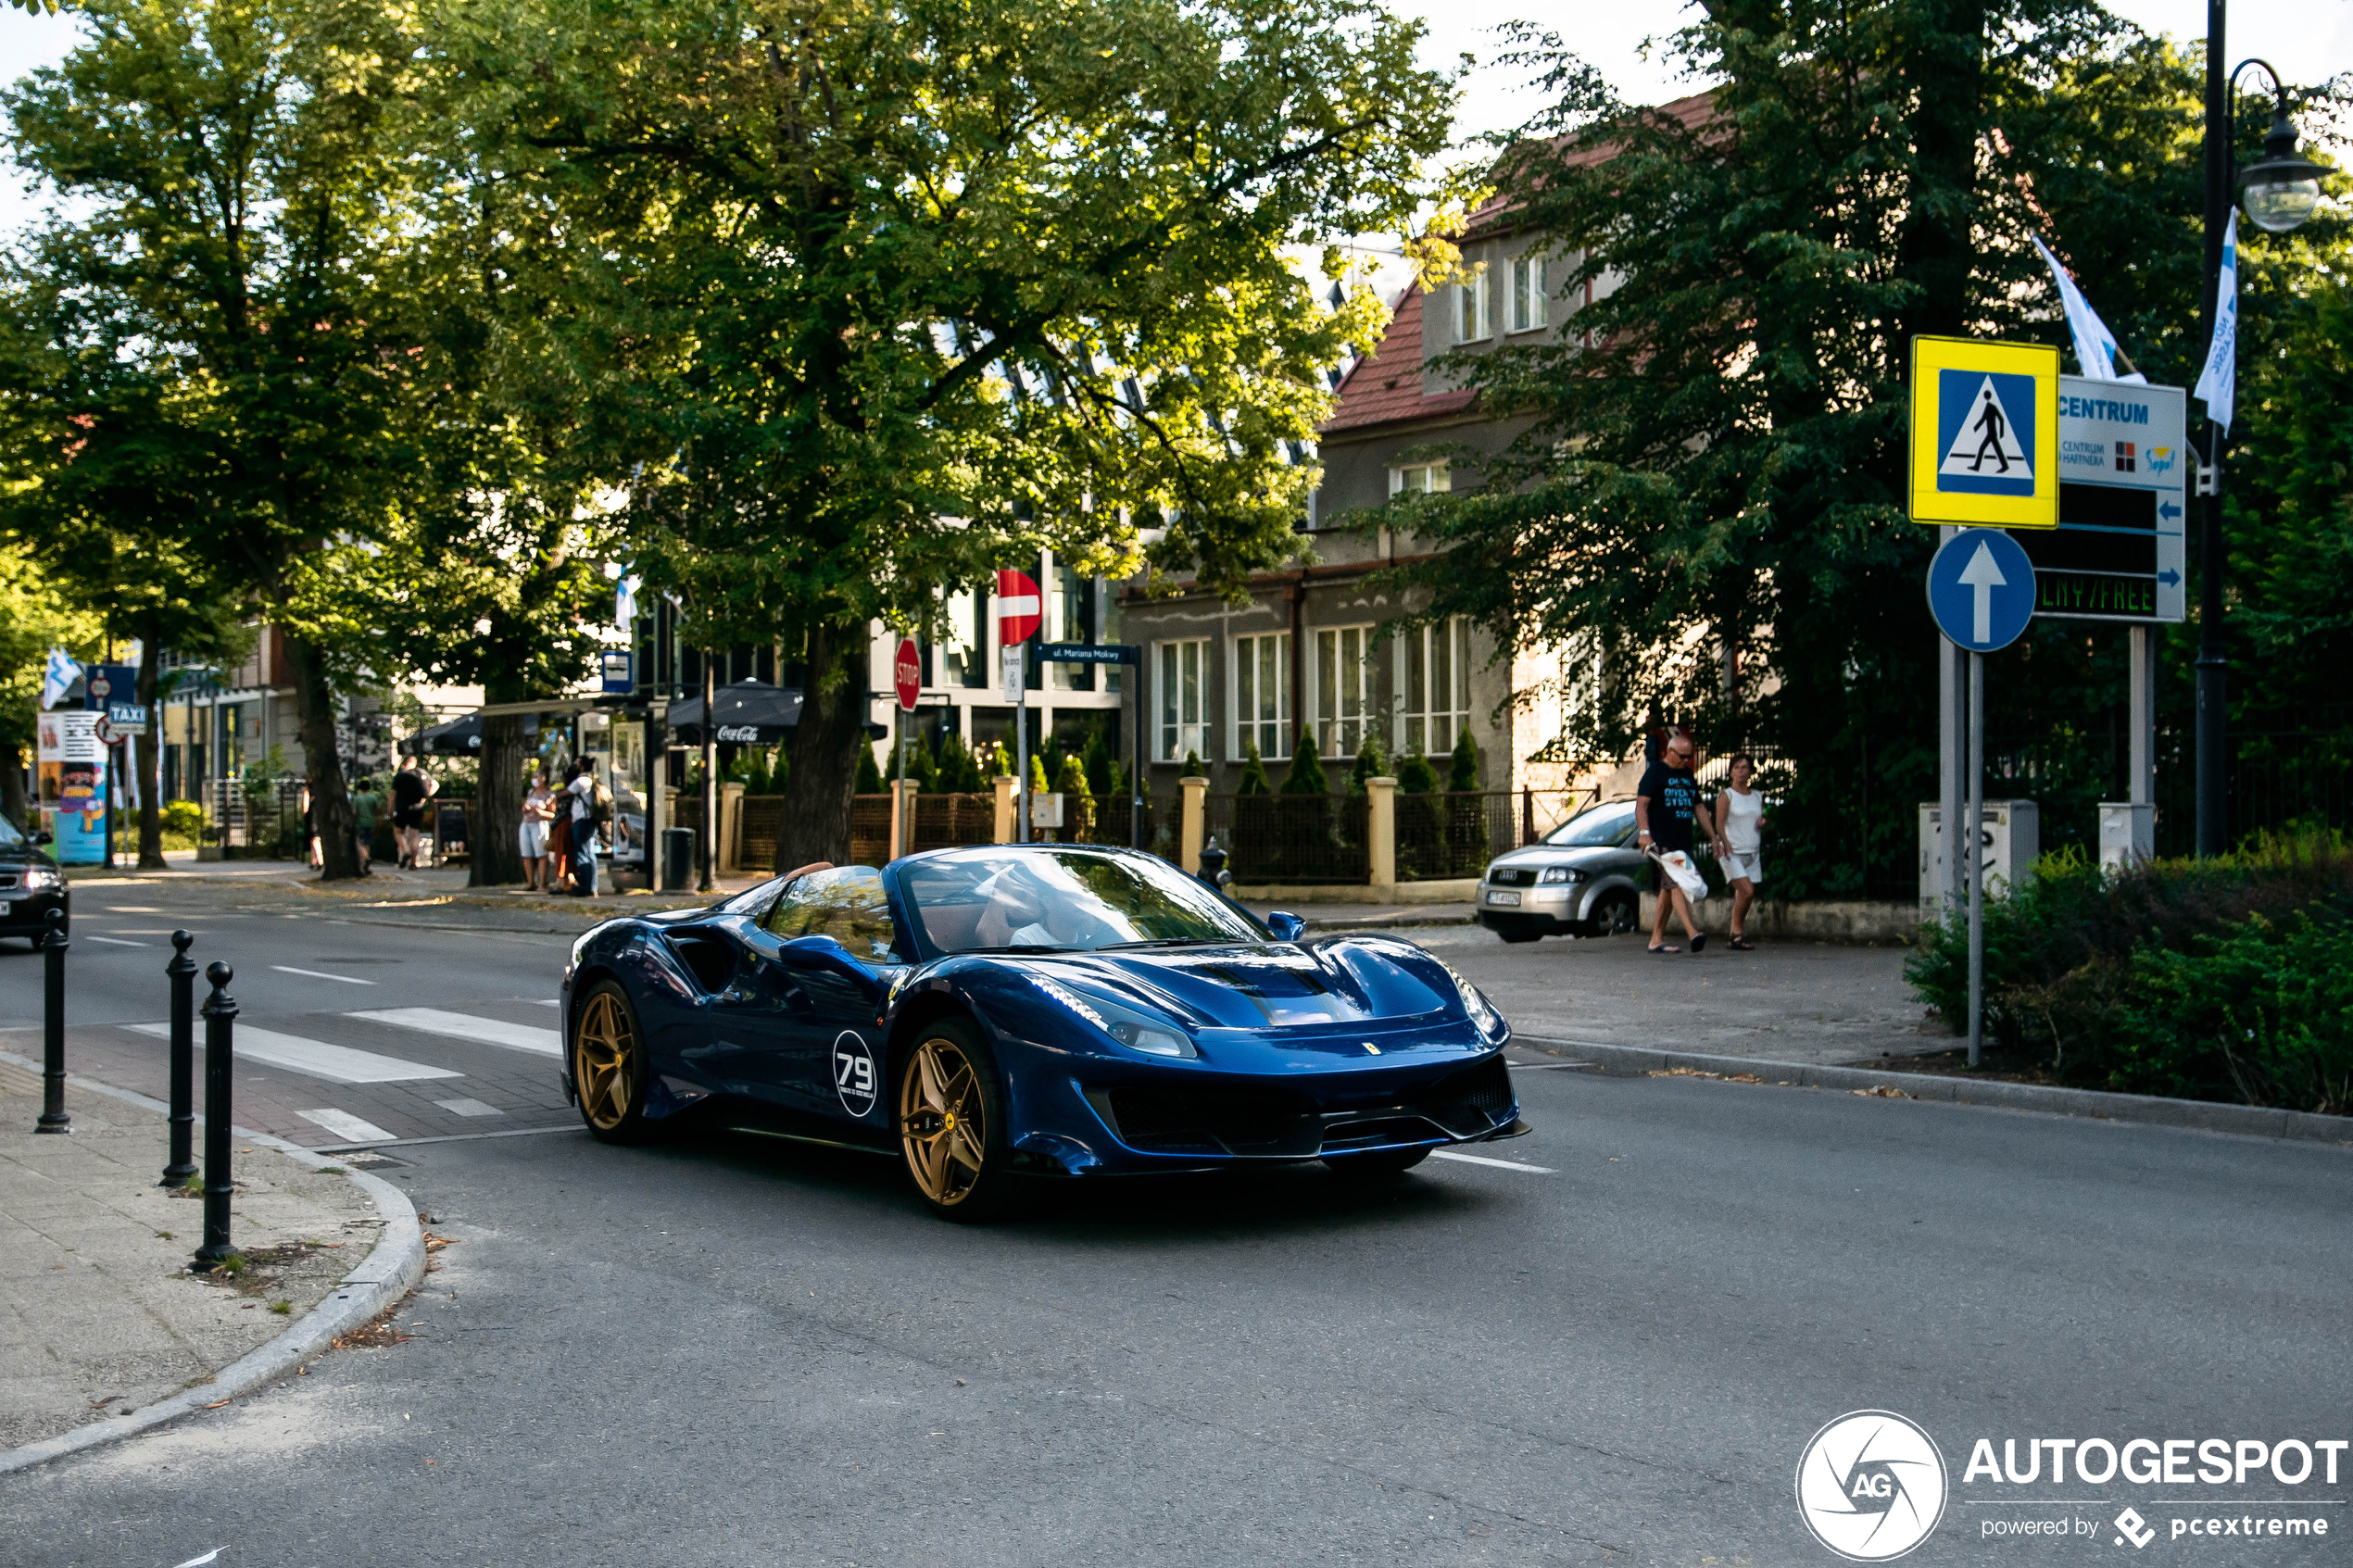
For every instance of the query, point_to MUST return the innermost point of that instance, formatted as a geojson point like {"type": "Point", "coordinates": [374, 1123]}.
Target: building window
{"type": "Point", "coordinates": [1343, 689]}
{"type": "Point", "coordinates": [1474, 321]}
{"type": "Point", "coordinates": [959, 646]}
{"type": "Point", "coordinates": [1180, 698]}
{"type": "Point", "coordinates": [1527, 292]}
{"type": "Point", "coordinates": [1261, 694]}
{"type": "Point", "coordinates": [1421, 478]}
{"type": "Point", "coordinates": [1070, 602]}
{"type": "Point", "coordinates": [1433, 686]}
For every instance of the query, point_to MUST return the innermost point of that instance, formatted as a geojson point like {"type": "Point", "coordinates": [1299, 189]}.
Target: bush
{"type": "Point", "coordinates": [1253, 780]}
{"type": "Point", "coordinates": [182, 818]}
{"type": "Point", "coordinates": [1305, 775]}
{"type": "Point", "coordinates": [870, 779]}
{"type": "Point", "coordinates": [2219, 979]}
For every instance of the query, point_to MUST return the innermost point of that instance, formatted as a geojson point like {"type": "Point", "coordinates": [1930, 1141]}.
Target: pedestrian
{"type": "Point", "coordinates": [1739, 838]}
{"type": "Point", "coordinates": [582, 787]}
{"type": "Point", "coordinates": [1663, 809]}
{"type": "Point", "coordinates": [539, 812]}
{"type": "Point", "coordinates": [411, 787]}
{"type": "Point", "coordinates": [366, 804]}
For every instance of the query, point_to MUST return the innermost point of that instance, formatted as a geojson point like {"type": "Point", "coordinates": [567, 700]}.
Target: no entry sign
{"type": "Point", "coordinates": [1016, 607]}
{"type": "Point", "coordinates": [908, 671]}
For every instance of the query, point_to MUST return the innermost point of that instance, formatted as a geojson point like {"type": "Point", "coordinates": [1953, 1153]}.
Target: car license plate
{"type": "Point", "coordinates": [1495, 897]}
{"type": "Point", "coordinates": [5, 907]}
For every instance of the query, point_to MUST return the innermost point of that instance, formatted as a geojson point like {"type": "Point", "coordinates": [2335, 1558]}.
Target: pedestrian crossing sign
{"type": "Point", "coordinates": [1984, 432]}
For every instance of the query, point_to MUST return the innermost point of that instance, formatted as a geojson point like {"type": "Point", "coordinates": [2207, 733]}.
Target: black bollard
{"type": "Point", "coordinates": [182, 972]}
{"type": "Point", "coordinates": [1213, 865]}
{"type": "Point", "coordinates": [220, 1025]}
{"type": "Point", "coordinates": [52, 1028]}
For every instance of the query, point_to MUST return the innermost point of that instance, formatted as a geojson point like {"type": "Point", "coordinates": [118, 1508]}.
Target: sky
{"type": "Point", "coordinates": [2311, 40]}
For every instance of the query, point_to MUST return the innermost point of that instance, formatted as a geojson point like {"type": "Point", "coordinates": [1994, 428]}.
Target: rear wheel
{"type": "Point", "coordinates": [952, 1124]}
{"type": "Point", "coordinates": [1375, 1167]}
{"type": "Point", "coordinates": [610, 1071]}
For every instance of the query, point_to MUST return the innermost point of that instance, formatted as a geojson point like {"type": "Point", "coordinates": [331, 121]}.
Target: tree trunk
{"type": "Point", "coordinates": [330, 797]}
{"type": "Point", "coordinates": [498, 853]}
{"type": "Point", "coordinates": [825, 749]}
{"type": "Point", "coordinates": [149, 749]}
{"type": "Point", "coordinates": [12, 801]}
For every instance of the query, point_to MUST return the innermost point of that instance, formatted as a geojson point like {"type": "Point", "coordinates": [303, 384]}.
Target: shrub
{"type": "Point", "coordinates": [1415, 776]}
{"type": "Point", "coordinates": [182, 818]}
{"type": "Point", "coordinates": [1371, 764]}
{"type": "Point", "coordinates": [1462, 774]}
{"type": "Point", "coordinates": [1254, 779]}
{"type": "Point", "coordinates": [1305, 775]}
{"type": "Point", "coordinates": [869, 776]}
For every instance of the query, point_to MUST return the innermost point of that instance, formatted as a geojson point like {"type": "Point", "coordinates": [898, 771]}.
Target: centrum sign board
{"type": "Point", "coordinates": [1984, 436]}
{"type": "Point", "coordinates": [2120, 552]}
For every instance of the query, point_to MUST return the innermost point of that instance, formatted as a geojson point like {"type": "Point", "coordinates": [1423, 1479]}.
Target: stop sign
{"type": "Point", "coordinates": [1016, 607]}
{"type": "Point", "coordinates": [909, 670]}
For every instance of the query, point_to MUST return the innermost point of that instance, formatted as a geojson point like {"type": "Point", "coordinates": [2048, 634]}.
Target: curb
{"type": "Point", "coordinates": [2205, 1116]}
{"type": "Point", "coordinates": [390, 1269]}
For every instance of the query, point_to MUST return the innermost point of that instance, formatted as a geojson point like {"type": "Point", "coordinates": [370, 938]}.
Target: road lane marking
{"type": "Point", "coordinates": [1499, 1164]}
{"type": "Point", "coordinates": [339, 1064]}
{"type": "Point", "coordinates": [320, 975]}
{"type": "Point", "coordinates": [547, 1001]}
{"type": "Point", "coordinates": [465, 1026]}
{"type": "Point", "coordinates": [1547, 1066]}
{"type": "Point", "coordinates": [469, 1107]}
{"type": "Point", "coordinates": [344, 1125]}
{"type": "Point", "coordinates": [114, 941]}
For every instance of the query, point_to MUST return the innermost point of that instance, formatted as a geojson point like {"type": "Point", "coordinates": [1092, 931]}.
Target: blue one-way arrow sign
{"type": "Point", "coordinates": [2170, 577]}
{"type": "Point", "coordinates": [2168, 511]}
{"type": "Point", "coordinates": [1981, 589]}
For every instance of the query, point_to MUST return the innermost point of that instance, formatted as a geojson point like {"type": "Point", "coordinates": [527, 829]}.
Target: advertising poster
{"type": "Point", "coordinates": [73, 779]}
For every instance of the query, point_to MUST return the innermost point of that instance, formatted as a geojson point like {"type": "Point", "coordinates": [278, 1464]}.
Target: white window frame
{"type": "Point", "coordinates": [1421, 478]}
{"type": "Point", "coordinates": [1249, 699]}
{"type": "Point", "coordinates": [1529, 306]}
{"type": "Point", "coordinates": [1343, 657]}
{"type": "Point", "coordinates": [1473, 318]}
{"type": "Point", "coordinates": [1182, 724]}
{"type": "Point", "coordinates": [1428, 657]}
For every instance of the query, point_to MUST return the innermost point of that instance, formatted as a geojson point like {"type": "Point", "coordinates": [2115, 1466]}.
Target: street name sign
{"type": "Point", "coordinates": [2120, 552]}
{"type": "Point", "coordinates": [1984, 432]}
{"type": "Point", "coordinates": [1092, 653]}
{"type": "Point", "coordinates": [1981, 589]}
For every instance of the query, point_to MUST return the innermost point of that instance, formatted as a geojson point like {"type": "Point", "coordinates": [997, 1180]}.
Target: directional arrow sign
{"type": "Point", "coordinates": [1981, 589]}
{"type": "Point", "coordinates": [2170, 577]}
{"type": "Point", "coordinates": [2168, 511]}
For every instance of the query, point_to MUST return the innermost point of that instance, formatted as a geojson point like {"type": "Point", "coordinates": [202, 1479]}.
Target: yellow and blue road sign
{"type": "Point", "coordinates": [1984, 436]}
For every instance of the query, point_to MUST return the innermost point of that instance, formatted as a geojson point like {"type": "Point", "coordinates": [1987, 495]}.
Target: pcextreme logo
{"type": "Point", "coordinates": [1871, 1486]}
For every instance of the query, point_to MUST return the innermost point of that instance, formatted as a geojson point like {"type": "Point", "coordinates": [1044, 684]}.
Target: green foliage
{"type": "Point", "coordinates": [182, 818]}
{"type": "Point", "coordinates": [1078, 802]}
{"type": "Point", "coordinates": [1371, 764]}
{"type": "Point", "coordinates": [1192, 765]}
{"type": "Point", "coordinates": [870, 779]}
{"type": "Point", "coordinates": [1307, 772]}
{"type": "Point", "coordinates": [2218, 979]}
{"type": "Point", "coordinates": [1253, 780]}
{"type": "Point", "coordinates": [1416, 777]}
{"type": "Point", "coordinates": [1037, 785]}
{"type": "Point", "coordinates": [1098, 765]}
{"type": "Point", "coordinates": [1463, 770]}
{"type": "Point", "coordinates": [1000, 760]}
{"type": "Point", "coordinates": [959, 772]}
{"type": "Point", "coordinates": [37, 612]}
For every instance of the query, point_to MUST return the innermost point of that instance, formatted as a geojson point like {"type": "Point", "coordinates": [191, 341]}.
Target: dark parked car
{"type": "Point", "coordinates": [31, 883]}
{"type": "Point", "coordinates": [1584, 879]}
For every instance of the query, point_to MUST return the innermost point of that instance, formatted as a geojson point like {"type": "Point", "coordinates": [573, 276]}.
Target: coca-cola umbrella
{"type": "Point", "coordinates": [745, 713]}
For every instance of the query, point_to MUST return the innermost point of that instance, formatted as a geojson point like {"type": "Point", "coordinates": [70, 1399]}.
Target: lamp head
{"type": "Point", "coordinates": [2279, 192]}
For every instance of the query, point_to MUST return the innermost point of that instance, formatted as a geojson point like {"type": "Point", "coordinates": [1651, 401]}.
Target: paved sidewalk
{"type": "Point", "coordinates": [98, 1314]}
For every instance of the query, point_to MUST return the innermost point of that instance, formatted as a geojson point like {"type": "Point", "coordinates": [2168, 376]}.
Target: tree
{"type": "Point", "coordinates": [36, 614]}
{"type": "Point", "coordinates": [233, 185]}
{"type": "Point", "coordinates": [895, 295]}
{"type": "Point", "coordinates": [1305, 775]}
{"type": "Point", "coordinates": [1371, 762]}
{"type": "Point", "coordinates": [1463, 770]}
{"type": "Point", "coordinates": [1709, 498]}
{"type": "Point", "coordinates": [1253, 780]}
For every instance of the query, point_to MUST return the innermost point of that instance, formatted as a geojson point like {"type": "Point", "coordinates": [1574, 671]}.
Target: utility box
{"type": "Point", "coordinates": [2009, 836]}
{"type": "Point", "coordinates": [2128, 834]}
{"type": "Point", "coordinates": [1046, 811]}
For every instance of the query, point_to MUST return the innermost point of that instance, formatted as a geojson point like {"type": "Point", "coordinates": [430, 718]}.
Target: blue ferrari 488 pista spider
{"type": "Point", "coordinates": [1002, 1013]}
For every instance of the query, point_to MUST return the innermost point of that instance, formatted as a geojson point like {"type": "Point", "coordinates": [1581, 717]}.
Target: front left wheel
{"type": "Point", "coordinates": [610, 1070]}
{"type": "Point", "coordinates": [952, 1124]}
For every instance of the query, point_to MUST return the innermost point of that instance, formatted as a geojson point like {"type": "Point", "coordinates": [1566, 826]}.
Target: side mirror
{"type": "Point", "coordinates": [819, 952]}
{"type": "Point", "coordinates": [1286, 926]}
{"type": "Point", "coordinates": [41, 836]}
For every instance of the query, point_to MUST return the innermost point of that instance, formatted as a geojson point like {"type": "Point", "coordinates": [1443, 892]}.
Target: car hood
{"type": "Point", "coordinates": [1557, 855]}
{"type": "Point", "coordinates": [24, 855]}
{"type": "Point", "coordinates": [1345, 984]}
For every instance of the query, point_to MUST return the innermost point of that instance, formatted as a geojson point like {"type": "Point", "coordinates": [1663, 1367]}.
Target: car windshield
{"type": "Point", "coordinates": [1064, 899]}
{"type": "Point", "coordinates": [9, 837]}
{"type": "Point", "coordinates": [1604, 826]}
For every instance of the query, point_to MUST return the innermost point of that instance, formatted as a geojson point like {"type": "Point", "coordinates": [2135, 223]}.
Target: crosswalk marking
{"type": "Point", "coordinates": [1499, 1164]}
{"type": "Point", "coordinates": [344, 1125]}
{"type": "Point", "coordinates": [339, 1064]}
{"type": "Point", "coordinates": [113, 941]}
{"type": "Point", "coordinates": [469, 1107]}
{"type": "Point", "coordinates": [466, 1026]}
{"type": "Point", "coordinates": [320, 975]}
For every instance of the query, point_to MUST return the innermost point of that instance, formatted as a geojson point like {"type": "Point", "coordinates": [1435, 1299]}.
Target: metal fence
{"type": "Point", "coordinates": [257, 820]}
{"type": "Point", "coordinates": [1291, 838]}
{"type": "Point", "coordinates": [1454, 835]}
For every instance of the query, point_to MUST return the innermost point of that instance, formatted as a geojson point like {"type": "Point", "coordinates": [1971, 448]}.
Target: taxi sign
{"type": "Point", "coordinates": [1984, 436]}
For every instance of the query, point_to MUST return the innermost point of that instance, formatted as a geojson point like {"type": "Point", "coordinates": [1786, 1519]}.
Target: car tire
{"type": "Point", "coordinates": [1615, 914]}
{"type": "Point", "coordinates": [947, 1081]}
{"type": "Point", "coordinates": [610, 1069]}
{"type": "Point", "coordinates": [1375, 1167]}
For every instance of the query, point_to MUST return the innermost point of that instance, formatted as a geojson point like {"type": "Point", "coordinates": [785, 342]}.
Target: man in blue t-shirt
{"type": "Point", "coordinates": [1664, 807]}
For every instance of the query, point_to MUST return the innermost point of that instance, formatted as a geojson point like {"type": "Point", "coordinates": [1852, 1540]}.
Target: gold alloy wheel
{"type": "Point", "coordinates": [605, 1060]}
{"type": "Point", "coordinates": [941, 1122]}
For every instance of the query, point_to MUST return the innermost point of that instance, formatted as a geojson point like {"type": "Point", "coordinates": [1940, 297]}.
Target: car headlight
{"type": "Point", "coordinates": [578, 943]}
{"type": "Point", "coordinates": [42, 876]}
{"type": "Point", "coordinates": [1481, 1010]}
{"type": "Point", "coordinates": [1560, 873]}
{"type": "Point", "coordinates": [1137, 1031]}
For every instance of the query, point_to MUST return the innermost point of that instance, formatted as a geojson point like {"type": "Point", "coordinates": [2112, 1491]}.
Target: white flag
{"type": "Point", "coordinates": [2218, 383]}
{"type": "Point", "coordinates": [625, 606]}
{"type": "Point", "coordinates": [62, 672]}
{"type": "Point", "coordinates": [2095, 345]}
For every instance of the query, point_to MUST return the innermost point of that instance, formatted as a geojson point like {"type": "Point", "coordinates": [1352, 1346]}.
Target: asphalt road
{"type": "Point", "coordinates": [739, 1350]}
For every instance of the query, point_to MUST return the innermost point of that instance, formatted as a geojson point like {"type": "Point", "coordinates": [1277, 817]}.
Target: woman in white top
{"type": "Point", "coordinates": [1740, 822]}
{"type": "Point", "coordinates": [538, 809]}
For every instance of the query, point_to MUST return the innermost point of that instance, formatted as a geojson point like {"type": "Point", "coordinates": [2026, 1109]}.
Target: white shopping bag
{"type": "Point", "coordinates": [1677, 864]}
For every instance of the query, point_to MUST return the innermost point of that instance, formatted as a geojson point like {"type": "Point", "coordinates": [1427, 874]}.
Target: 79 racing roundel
{"type": "Point", "coordinates": [856, 1079]}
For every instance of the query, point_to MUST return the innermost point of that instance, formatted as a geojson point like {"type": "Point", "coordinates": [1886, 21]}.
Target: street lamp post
{"type": "Point", "coordinates": [2281, 193]}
